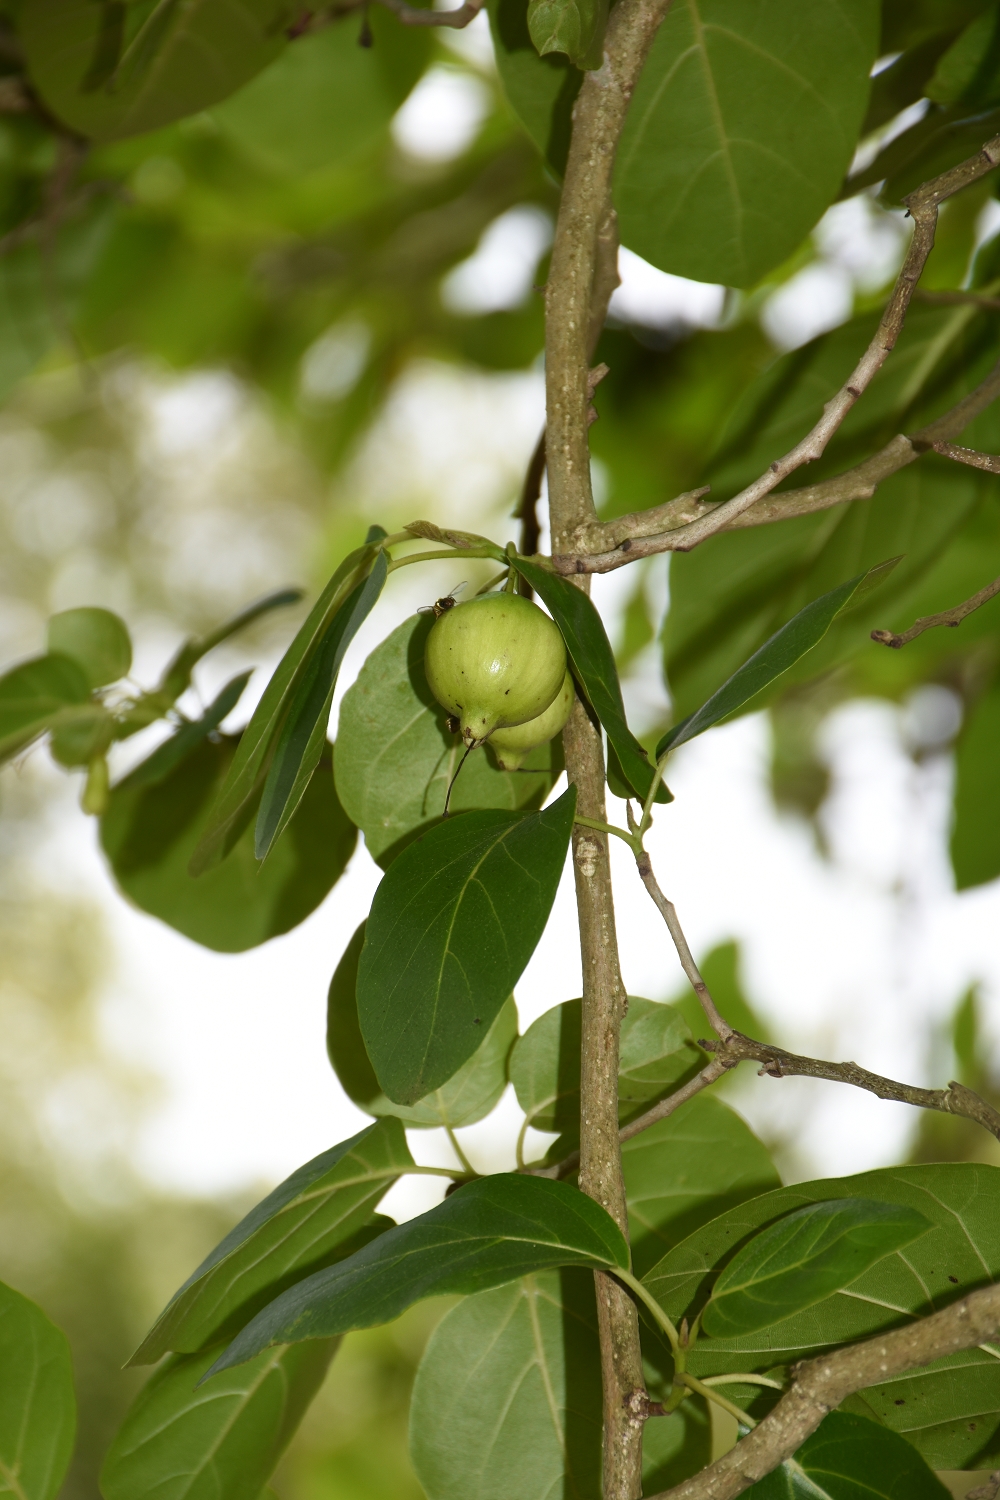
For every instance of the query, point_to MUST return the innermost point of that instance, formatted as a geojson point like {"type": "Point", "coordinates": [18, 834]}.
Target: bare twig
{"type": "Point", "coordinates": [666, 909]}
{"type": "Point", "coordinates": [820, 1385]}
{"type": "Point", "coordinates": [922, 205]}
{"type": "Point", "coordinates": [990, 462]}
{"type": "Point", "coordinates": [410, 15]}
{"type": "Point", "coordinates": [527, 508]}
{"type": "Point", "coordinates": [987, 1491]}
{"type": "Point", "coordinates": [950, 617]}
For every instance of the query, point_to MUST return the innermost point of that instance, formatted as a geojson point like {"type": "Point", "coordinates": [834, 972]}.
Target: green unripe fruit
{"type": "Point", "coordinates": [494, 662]}
{"type": "Point", "coordinates": [512, 745]}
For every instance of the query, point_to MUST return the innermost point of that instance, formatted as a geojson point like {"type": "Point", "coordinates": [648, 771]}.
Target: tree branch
{"type": "Point", "coordinates": [688, 532]}
{"type": "Point", "coordinates": [950, 617]}
{"type": "Point", "coordinates": [820, 1385]}
{"type": "Point", "coordinates": [410, 15]}
{"type": "Point", "coordinates": [990, 462]}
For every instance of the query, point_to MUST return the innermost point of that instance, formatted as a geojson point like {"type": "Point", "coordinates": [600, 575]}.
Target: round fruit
{"type": "Point", "coordinates": [495, 661]}
{"type": "Point", "coordinates": [512, 745]}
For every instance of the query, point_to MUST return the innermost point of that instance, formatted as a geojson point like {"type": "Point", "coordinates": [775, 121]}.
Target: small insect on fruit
{"type": "Point", "coordinates": [496, 661]}
{"type": "Point", "coordinates": [438, 608]}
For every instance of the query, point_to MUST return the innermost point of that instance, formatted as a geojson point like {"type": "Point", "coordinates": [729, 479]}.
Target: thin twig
{"type": "Point", "coordinates": [527, 507]}
{"type": "Point", "coordinates": [990, 462]}
{"type": "Point", "coordinates": [820, 1385]}
{"type": "Point", "coordinates": [666, 909]}
{"type": "Point", "coordinates": [949, 617]}
{"type": "Point", "coordinates": [922, 205]}
{"type": "Point", "coordinates": [411, 16]}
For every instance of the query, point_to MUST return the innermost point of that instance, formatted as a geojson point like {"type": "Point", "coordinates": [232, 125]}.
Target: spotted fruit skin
{"type": "Point", "coordinates": [494, 662]}
{"type": "Point", "coordinates": [512, 745]}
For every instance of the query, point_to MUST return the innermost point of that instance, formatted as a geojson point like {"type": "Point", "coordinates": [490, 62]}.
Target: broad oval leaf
{"type": "Point", "coordinates": [396, 758]}
{"type": "Point", "coordinates": [467, 1097]}
{"type": "Point", "coordinates": [303, 734]}
{"type": "Point", "coordinates": [687, 1169]}
{"type": "Point", "coordinates": [299, 1227]}
{"type": "Point", "coordinates": [326, 99]}
{"type": "Point", "coordinates": [489, 1232]}
{"type": "Point", "coordinates": [851, 1458]}
{"type": "Point", "coordinates": [157, 815]}
{"type": "Point", "coordinates": [594, 668]}
{"type": "Point", "coordinates": [742, 125]}
{"type": "Point", "coordinates": [96, 640]}
{"type": "Point", "coordinates": [656, 1051]}
{"type": "Point", "coordinates": [575, 27]}
{"type": "Point", "coordinates": [180, 1441]}
{"type": "Point", "coordinates": [787, 646]}
{"type": "Point", "coordinates": [110, 72]}
{"type": "Point", "coordinates": [453, 924]}
{"type": "Point", "coordinates": [804, 1258]}
{"type": "Point", "coordinates": [507, 1399]}
{"type": "Point", "coordinates": [950, 1411]}
{"type": "Point", "coordinates": [37, 1404]}
{"type": "Point", "coordinates": [31, 696]}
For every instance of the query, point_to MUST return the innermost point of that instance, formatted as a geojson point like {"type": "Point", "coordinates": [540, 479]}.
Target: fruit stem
{"type": "Point", "coordinates": [447, 799]}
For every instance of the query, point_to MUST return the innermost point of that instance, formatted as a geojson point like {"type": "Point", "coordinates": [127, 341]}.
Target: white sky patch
{"type": "Point", "coordinates": [655, 299]}
{"type": "Point", "coordinates": [501, 272]}
{"type": "Point", "coordinates": [333, 365]}
{"type": "Point", "coordinates": [819, 297]}
{"type": "Point", "coordinates": [442, 116]}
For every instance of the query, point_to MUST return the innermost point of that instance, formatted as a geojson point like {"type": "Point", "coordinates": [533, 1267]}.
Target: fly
{"type": "Point", "coordinates": [441, 606]}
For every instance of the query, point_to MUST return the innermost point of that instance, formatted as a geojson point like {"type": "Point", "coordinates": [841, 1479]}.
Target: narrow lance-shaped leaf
{"type": "Point", "coordinates": [303, 735]}
{"type": "Point", "coordinates": [37, 1405]}
{"type": "Point", "coordinates": [802, 632]}
{"type": "Point", "coordinates": [451, 929]}
{"type": "Point", "coordinates": [851, 1458]}
{"type": "Point", "coordinates": [488, 1232]}
{"type": "Point", "coordinates": [803, 1259]}
{"type": "Point", "coordinates": [289, 1234]}
{"type": "Point", "coordinates": [594, 668]}
{"type": "Point", "coordinates": [219, 1442]}
{"type": "Point", "coordinates": [234, 804]}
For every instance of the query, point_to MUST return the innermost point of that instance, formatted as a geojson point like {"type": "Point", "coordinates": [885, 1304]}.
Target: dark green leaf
{"type": "Point", "coordinates": [31, 696]}
{"type": "Point", "coordinates": [487, 1233]}
{"type": "Point", "coordinates": [849, 1458]}
{"type": "Point", "coordinates": [740, 130]}
{"type": "Point", "coordinates": [783, 650]}
{"type": "Point", "coordinates": [467, 1097]}
{"type": "Point", "coordinates": [37, 1405]}
{"type": "Point", "coordinates": [575, 27]}
{"type": "Point", "coordinates": [655, 1053]}
{"type": "Point", "coordinates": [165, 64]}
{"type": "Point", "coordinates": [155, 819]}
{"type": "Point", "coordinates": [96, 640]}
{"type": "Point", "coordinates": [594, 668]}
{"type": "Point", "coordinates": [452, 926]}
{"type": "Point", "coordinates": [166, 757]}
{"type": "Point", "coordinates": [803, 1259]}
{"type": "Point", "coordinates": [82, 733]}
{"type": "Point", "coordinates": [541, 90]}
{"type": "Point", "coordinates": [950, 1410]}
{"type": "Point", "coordinates": [303, 734]}
{"type": "Point", "coordinates": [507, 1399]}
{"type": "Point", "coordinates": [235, 800]}
{"type": "Point", "coordinates": [687, 1169]}
{"type": "Point", "coordinates": [975, 833]}
{"type": "Point", "coordinates": [325, 100]}
{"type": "Point", "coordinates": [967, 71]}
{"type": "Point", "coordinates": [395, 756]}
{"type": "Point", "coordinates": [303, 1225]}
{"type": "Point", "coordinates": [217, 1442]}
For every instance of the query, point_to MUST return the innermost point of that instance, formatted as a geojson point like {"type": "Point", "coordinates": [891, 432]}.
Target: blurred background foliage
{"type": "Point", "coordinates": [210, 337]}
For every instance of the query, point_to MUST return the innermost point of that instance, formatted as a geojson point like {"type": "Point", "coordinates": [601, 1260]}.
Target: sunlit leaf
{"type": "Point", "coordinates": [32, 695]}
{"type": "Point", "coordinates": [96, 640]}
{"type": "Point", "coordinates": [37, 1404]}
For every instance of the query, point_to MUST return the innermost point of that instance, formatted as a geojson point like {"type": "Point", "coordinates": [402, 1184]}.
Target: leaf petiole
{"type": "Point", "coordinates": [621, 833]}
{"type": "Point", "coordinates": [437, 556]}
{"type": "Point", "coordinates": [694, 1384]}
{"type": "Point", "coordinates": [635, 1285]}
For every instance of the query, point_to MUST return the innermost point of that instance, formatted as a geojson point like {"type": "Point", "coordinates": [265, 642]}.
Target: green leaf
{"type": "Point", "coordinates": [803, 631]}
{"type": "Point", "coordinates": [507, 1399]}
{"type": "Point", "coordinates": [302, 1225]}
{"type": "Point", "coordinates": [168, 756]}
{"type": "Point", "coordinates": [967, 71]}
{"type": "Point", "coordinates": [31, 697]}
{"type": "Point", "coordinates": [687, 1169]}
{"type": "Point", "coordinates": [975, 833]}
{"type": "Point", "coordinates": [575, 27]}
{"type": "Point", "coordinates": [235, 800]}
{"type": "Point", "coordinates": [164, 64]}
{"type": "Point", "coordinates": [740, 130]}
{"type": "Point", "coordinates": [396, 758]}
{"type": "Point", "coordinates": [467, 1097]}
{"type": "Point", "coordinates": [949, 1411]}
{"type": "Point", "coordinates": [804, 1258]}
{"type": "Point", "coordinates": [720, 969]}
{"type": "Point", "coordinates": [593, 663]}
{"type": "Point", "coordinates": [156, 817]}
{"type": "Point", "coordinates": [177, 676]}
{"type": "Point", "coordinates": [37, 1404]}
{"type": "Point", "coordinates": [489, 1232]}
{"type": "Point", "coordinates": [303, 734]}
{"type": "Point", "coordinates": [452, 926]}
{"type": "Point", "coordinates": [180, 1441]}
{"type": "Point", "coordinates": [96, 640]}
{"type": "Point", "coordinates": [325, 100]}
{"type": "Point", "coordinates": [849, 1458]}
{"type": "Point", "coordinates": [541, 90]}
{"type": "Point", "coordinates": [655, 1053]}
